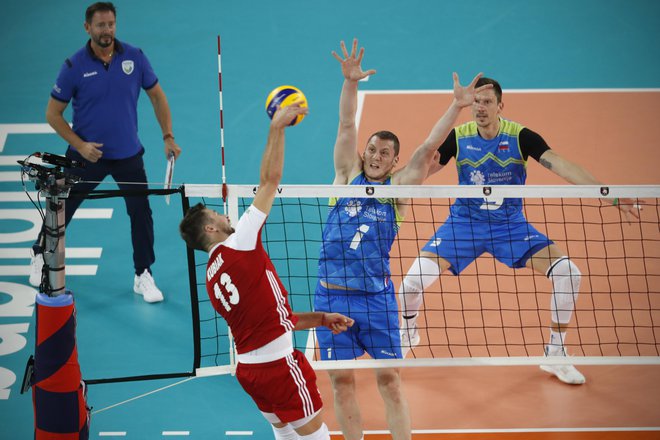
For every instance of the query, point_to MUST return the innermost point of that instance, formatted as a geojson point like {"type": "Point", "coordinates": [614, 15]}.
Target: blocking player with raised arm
{"type": "Point", "coordinates": [354, 271]}
{"type": "Point", "coordinates": [246, 291]}
{"type": "Point", "coordinates": [491, 150]}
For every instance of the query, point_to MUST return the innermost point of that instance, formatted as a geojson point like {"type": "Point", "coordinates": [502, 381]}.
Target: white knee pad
{"type": "Point", "coordinates": [565, 277]}
{"type": "Point", "coordinates": [421, 275]}
{"type": "Point", "coordinates": [320, 434]}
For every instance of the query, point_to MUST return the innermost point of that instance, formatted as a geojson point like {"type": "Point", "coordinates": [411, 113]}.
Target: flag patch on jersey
{"type": "Point", "coordinates": [504, 146]}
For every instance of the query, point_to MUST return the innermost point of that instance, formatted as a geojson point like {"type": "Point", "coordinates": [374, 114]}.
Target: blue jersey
{"type": "Point", "coordinates": [105, 101]}
{"type": "Point", "coordinates": [357, 239]}
{"type": "Point", "coordinates": [496, 161]}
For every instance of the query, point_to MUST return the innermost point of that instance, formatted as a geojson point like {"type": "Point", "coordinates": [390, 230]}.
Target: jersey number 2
{"type": "Point", "coordinates": [231, 289]}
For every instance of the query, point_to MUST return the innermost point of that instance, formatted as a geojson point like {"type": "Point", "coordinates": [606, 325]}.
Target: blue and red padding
{"type": "Point", "coordinates": [58, 394]}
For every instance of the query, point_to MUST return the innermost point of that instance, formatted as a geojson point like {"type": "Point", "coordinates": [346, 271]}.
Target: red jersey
{"type": "Point", "coordinates": [245, 289]}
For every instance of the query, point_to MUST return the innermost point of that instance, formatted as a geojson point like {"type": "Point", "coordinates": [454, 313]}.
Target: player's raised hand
{"type": "Point", "coordinates": [284, 115]}
{"type": "Point", "coordinates": [629, 207]}
{"type": "Point", "coordinates": [465, 96]}
{"type": "Point", "coordinates": [351, 64]}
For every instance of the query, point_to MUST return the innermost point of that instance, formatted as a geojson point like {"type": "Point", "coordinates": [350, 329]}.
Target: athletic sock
{"type": "Point", "coordinates": [556, 344]}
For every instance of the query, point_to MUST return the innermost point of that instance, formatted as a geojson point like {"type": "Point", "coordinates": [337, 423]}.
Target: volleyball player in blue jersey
{"type": "Point", "coordinates": [354, 272]}
{"type": "Point", "coordinates": [491, 150]}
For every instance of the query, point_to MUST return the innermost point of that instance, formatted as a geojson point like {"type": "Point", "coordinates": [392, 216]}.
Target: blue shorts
{"type": "Point", "coordinates": [376, 327]}
{"type": "Point", "coordinates": [461, 240]}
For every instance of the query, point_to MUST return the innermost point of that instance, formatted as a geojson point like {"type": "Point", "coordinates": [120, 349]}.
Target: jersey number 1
{"type": "Point", "coordinates": [363, 229]}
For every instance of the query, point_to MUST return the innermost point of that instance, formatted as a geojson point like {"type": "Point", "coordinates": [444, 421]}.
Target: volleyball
{"type": "Point", "coordinates": [283, 96]}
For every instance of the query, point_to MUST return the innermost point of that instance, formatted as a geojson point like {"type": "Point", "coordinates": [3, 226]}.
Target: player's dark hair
{"type": "Point", "coordinates": [496, 86]}
{"type": "Point", "coordinates": [191, 227]}
{"type": "Point", "coordinates": [99, 7]}
{"type": "Point", "coordinates": [388, 136]}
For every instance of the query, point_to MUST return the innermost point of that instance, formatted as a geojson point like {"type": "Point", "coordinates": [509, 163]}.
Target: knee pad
{"type": "Point", "coordinates": [320, 434]}
{"type": "Point", "coordinates": [566, 278]}
{"type": "Point", "coordinates": [421, 275]}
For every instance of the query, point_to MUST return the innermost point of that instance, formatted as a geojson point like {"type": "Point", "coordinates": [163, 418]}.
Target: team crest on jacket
{"type": "Point", "coordinates": [127, 66]}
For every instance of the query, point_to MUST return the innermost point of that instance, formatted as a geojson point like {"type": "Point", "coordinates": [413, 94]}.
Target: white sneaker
{"type": "Point", "coordinates": [146, 286]}
{"type": "Point", "coordinates": [566, 373]}
{"type": "Point", "coordinates": [36, 268]}
{"type": "Point", "coordinates": [409, 338]}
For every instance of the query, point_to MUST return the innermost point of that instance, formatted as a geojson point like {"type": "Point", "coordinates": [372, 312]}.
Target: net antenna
{"type": "Point", "coordinates": [232, 351]}
{"type": "Point", "coordinates": [222, 131]}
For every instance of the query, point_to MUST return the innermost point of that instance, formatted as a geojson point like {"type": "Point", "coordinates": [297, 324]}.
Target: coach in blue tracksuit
{"type": "Point", "coordinates": [103, 81]}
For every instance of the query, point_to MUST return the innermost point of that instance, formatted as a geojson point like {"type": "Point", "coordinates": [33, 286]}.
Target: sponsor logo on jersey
{"type": "Point", "coordinates": [500, 177]}
{"type": "Point", "coordinates": [477, 177]}
{"type": "Point", "coordinates": [470, 147]}
{"type": "Point", "coordinates": [353, 208]}
{"type": "Point", "coordinates": [88, 74]}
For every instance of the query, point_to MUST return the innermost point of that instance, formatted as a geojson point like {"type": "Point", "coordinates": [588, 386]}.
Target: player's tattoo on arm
{"type": "Point", "coordinates": [546, 163]}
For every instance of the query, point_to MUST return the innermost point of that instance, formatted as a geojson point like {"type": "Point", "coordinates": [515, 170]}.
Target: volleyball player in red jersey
{"type": "Point", "coordinates": [246, 291]}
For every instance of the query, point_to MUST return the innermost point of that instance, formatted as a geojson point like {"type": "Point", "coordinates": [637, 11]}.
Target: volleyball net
{"type": "Point", "coordinates": [489, 314]}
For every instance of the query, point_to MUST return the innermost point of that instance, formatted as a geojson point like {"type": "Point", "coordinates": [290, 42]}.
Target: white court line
{"type": "Point", "coordinates": [9, 160]}
{"type": "Point", "coordinates": [143, 395]}
{"type": "Point", "coordinates": [433, 431]}
{"type": "Point", "coordinates": [87, 213]}
{"type": "Point", "coordinates": [505, 91]}
{"type": "Point", "coordinates": [516, 430]}
{"type": "Point", "coordinates": [18, 196]}
{"type": "Point", "coordinates": [10, 176]}
{"type": "Point", "coordinates": [70, 252]}
{"type": "Point", "coordinates": [71, 269]}
{"type": "Point", "coordinates": [360, 106]}
{"type": "Point", "coordinates": [6, 129]}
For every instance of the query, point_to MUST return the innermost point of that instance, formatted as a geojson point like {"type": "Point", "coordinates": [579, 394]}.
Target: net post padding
{"type": "Point", "coordinates": [617, 320]}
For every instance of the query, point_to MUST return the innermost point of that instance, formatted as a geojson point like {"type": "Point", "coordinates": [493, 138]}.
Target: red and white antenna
{"type": "Point", "coordinates": [222, 132]}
